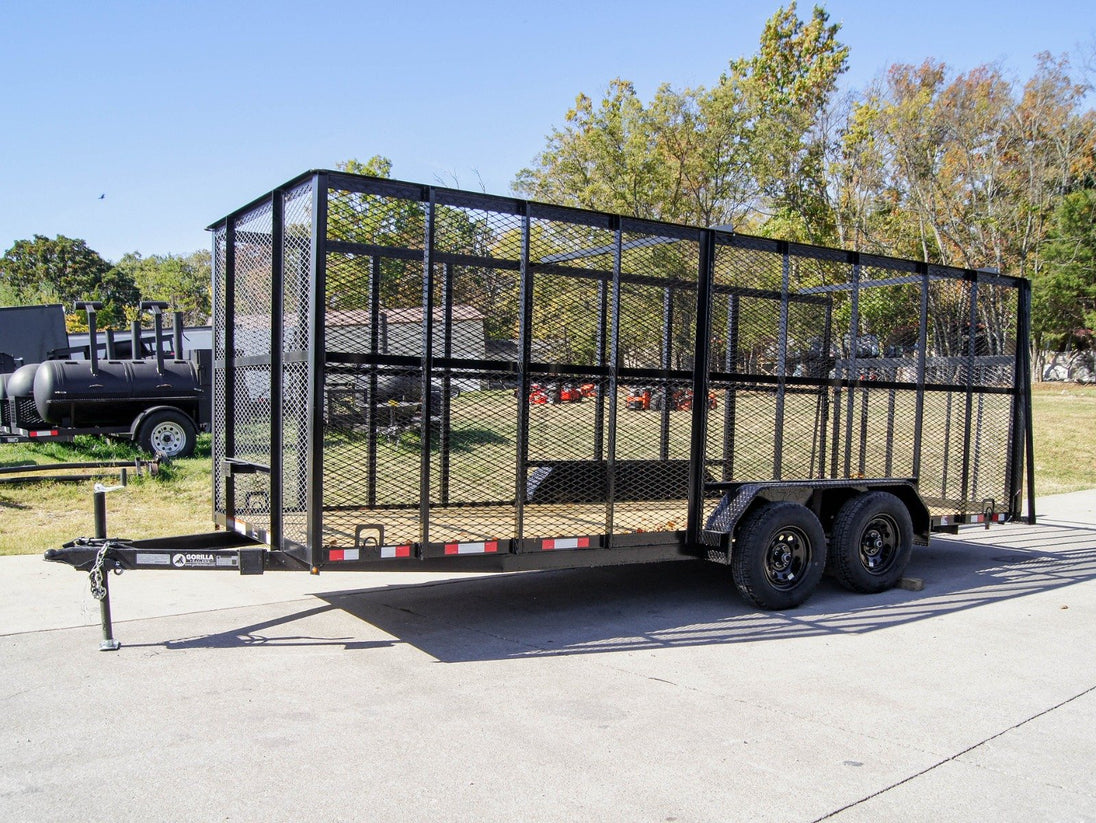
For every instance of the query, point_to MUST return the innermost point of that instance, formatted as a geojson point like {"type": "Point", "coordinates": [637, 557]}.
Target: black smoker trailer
{"type": "Point", "coordinates": [390, 361]}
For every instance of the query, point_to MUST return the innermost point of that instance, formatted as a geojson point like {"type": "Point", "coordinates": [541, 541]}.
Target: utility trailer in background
{"type": "Point", "coordinates": [855, 403]}
{"type": "Point", "coordinates": [160, 402]}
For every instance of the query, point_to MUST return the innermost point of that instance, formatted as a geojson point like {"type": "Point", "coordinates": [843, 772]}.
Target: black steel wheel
{"type": "Point", "coordinates": [871, 542]}
{"type": "Point", "coordinates": [779, 555]}
{"type": "Point", "coordinates": [168, 433]}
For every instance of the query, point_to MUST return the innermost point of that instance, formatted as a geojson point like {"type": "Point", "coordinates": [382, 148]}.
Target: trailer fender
{"type": "Point", "coordinates": [138, 421]}
{"type": "Point", "coordinates": [824, 497]}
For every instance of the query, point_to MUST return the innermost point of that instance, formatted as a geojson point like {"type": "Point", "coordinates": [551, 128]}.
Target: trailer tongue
{"type": "Point", "coordinates": [391, 360]}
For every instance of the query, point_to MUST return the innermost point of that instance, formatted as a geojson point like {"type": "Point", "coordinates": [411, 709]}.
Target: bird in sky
{"type": "Point", "coordinates": [101, 196]}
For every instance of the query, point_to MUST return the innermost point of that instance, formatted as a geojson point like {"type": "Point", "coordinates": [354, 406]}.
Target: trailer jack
{"type": "Point", "coordinates": [100, 586]}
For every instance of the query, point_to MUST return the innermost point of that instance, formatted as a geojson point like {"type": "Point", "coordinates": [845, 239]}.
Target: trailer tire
{"type": "Point", "coordinates": [779, 555]}
{"type": "Point", "coordinates": [168, 433]}
{"type": "Point", "coordinates": [871, 542]}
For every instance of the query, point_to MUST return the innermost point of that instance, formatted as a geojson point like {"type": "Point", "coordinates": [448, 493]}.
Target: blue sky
{"type": "Point", "coordinates": [179, 112]}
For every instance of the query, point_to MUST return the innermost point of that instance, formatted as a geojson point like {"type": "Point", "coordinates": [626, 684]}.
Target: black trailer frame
{"type": "Point", "coordinates": [377, 344]}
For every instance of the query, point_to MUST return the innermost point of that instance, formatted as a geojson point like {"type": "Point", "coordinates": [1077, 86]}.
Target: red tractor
{"type": "Point", "coordinates": [651, 398]}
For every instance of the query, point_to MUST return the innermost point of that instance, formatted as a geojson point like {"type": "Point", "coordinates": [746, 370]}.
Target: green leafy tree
{"type": "Point", "coordinates": [65, 269]}
{"type": "Point", "coordinates": [1064, 291]}
{"type": "Point", "coordinates": [183, 282]}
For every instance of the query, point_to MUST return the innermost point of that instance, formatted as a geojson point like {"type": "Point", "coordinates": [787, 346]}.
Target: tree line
{"type": "Point", "coordinates": [968, 169]}
{"type": "Point", "coordinates": [63, 270]}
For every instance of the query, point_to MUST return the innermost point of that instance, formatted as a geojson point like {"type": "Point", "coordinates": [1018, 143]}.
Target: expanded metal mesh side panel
{"type": "Point", "coordinates": [477, 232]}
{"type": "Point", "coordinates": [372, 447]}
{"type": "Point", "coordinates": [873, 432]}
{"type": "Point", "coordinates": [376, 219]}
{"type": "Point", "coordinates": [251, 420]}
{"type": "Point", "coordinates": [948, 330]}
{"type": "Point", "coordinates": [251, 282]}
{"type": "Point", "coordinates": [295, 311]}
{"type": "Point", "coordinates": [347, 316]}
{"type": "Point", "coordinates": [651, 451]}
{"type": "Point", "coordinates": [297, 264]}
{"type": "Point", "coordinates": [965, 451]}
{"type": "Point", "coordinates": [568, 319]}
{"type": "Point", "coordinates": [295, 384]}
{"type": "Point", "coordinates": [482, 295]}
{"type": "Point", "coordinates": [749, 263]}
{"type": "Point", "coordinates": [572, 268]}
{"type": "Point", "coordinates": [250, 414]}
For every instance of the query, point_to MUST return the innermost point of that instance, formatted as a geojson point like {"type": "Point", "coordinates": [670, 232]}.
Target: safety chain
{"type": "Point", "coordinates": [98, 589]}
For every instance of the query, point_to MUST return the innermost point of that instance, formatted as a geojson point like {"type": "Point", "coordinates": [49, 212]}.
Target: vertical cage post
{"type": "Point", "coordinates": [1023, 381]}
{"type": "Point", "coordinates": [852, 373]}
{"type": "Point", "coordinates": [730, 398]}
{"type": "Point", "coordinates": [371, 405]}
{"type": "Point", "coordinates": [525, 346]}
{"type": "Point", "coordinates": [825, 350]}
{"type": "Point", "coordinates": [599, 400]}
{"type": "Point", "coordinates": [317, 364]}
{"type": "Point", "coordinates": [446, 378]}
{"type": "Point", "coordinates": [702, 356]}
{"type": "Point", "coordinates": [972, 333]}
{"type": "Point", "coordinates": [427, 412]}
{"type": "Point", "coordinates": [922, 345]}
{"type": "Point", "coordinates": [614, 366]}
{"type": "Point", "coordinates": [781, 360]}
{"type": "Point", "coordinates": [229, 369]}
{"type": "Point", "coordinates": [277, 342]}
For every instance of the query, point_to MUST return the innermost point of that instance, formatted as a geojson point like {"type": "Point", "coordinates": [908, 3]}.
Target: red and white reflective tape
{"type": "Point", "coordinates": [335, 555]}
{"type": "Point", "coordinates": [979, 518]}
{"type": "Point", "coordinates": [50, 433]}
{"type": "Point", "coordinates": [388, 552]}
{"type": "Point", "coordinates": [486, 547]}
{"type": "Point", "coordinates": [551, 543]}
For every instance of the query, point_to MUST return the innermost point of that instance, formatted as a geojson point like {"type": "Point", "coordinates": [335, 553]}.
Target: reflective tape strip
{"type": "Point", "coordinates": [51, 433]}
{"type": "Point", "coordinates": [978, 518]}
{"type": "Point", "coordinates": [487, 547]}
{"type": "Point", "coordinates": [395, 551]}
{"type": "Point", "coordinates": [342, 554]}
{"type": "Point", "coordinates": [565, 543]}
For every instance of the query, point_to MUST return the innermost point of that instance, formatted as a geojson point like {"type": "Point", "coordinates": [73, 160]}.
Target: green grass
{"type": "Point", "coordinates": [38, 516]}
{"type": "Point", "coordinates": [1064, 417]}
{"type": "Point", "coordinates": [42, 515]}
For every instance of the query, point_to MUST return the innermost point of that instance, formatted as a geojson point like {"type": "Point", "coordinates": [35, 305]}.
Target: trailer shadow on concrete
{"type": "Point", "coordinates": [630, 608]}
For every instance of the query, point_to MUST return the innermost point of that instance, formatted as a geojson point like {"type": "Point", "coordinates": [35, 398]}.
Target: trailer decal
{"type": "Point", "coordinates": [486, 547]}
{"type": "Point", "coordinates": [199, 559]}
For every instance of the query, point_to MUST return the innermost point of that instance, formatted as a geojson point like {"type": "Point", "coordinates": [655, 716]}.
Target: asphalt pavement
{"type": "Point", "coordinates": [637, 693]}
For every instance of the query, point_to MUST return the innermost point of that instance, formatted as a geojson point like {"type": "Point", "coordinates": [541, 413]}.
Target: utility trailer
{"type": "Point", "coordinates": [856, 403]}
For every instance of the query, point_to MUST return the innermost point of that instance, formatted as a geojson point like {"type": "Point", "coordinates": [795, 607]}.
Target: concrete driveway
{"type": "Point", "coordinates": [643, 693]}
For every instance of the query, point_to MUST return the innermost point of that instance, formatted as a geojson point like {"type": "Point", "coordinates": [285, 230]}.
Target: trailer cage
{"type": "Point", "coordinates": [409, 376]}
